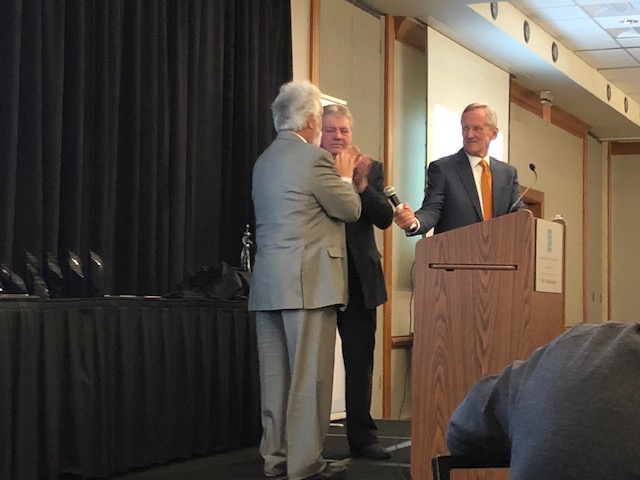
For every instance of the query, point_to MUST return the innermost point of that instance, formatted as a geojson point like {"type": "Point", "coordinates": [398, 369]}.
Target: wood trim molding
{"type": "Point", "coordinates": [530, 101]}
{"type": "Point", "coordinates": [624, 148]}
{"type": "Point", "coordinates": [609, 154]}
{"type": "Point", "coordinates": [411, 32]}
{"type": "Point", "coordinates": [585, 226]}
{"type": "Point", "coordinates": [402, 341]}
{"type": "Point", "coordinates": [533, 196]}
{"type": "Point", "coordinates": [314, 54]}
{"type": "Point", "coordinates": [534, 201]}
{"type": "Point", "coordinates": [388, 233]}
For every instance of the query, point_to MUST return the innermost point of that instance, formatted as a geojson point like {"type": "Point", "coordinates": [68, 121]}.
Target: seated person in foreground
{"type": "Point", "coordinates": [570, 411]}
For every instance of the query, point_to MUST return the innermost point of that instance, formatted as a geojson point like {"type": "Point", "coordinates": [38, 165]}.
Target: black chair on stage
{"type": "Point", "coordinates": [95, 275]}
{"type": "Point", "coordinates": [52, 275]}
{"type": "Point", "coordinates": [33, 278]}
{"type": "Point", "coordinates": [443, 464]}
{"type": "Point", "coordinates": [11, 282]}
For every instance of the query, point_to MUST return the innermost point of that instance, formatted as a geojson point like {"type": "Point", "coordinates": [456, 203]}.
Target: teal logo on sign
{"type": "Point", "coordinates": [549, 240]}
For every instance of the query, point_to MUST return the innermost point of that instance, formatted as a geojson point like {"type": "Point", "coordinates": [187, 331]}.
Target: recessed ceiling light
{"type": "Point", "coordinates": [628, 21]}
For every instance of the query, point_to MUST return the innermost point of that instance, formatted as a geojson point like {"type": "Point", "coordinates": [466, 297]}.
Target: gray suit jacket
{"type": "Point", "coordinates": [301, 206]}
{"type": "Point", "coordinates": [451, 199]}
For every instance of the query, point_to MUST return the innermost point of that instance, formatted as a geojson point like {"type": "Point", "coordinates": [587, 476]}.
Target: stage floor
{"type": "Point", "coordinates": [246, 464]}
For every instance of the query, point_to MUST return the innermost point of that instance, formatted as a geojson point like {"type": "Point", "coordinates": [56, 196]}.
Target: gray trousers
{"type": "Point", "coordinates": [296, 355]}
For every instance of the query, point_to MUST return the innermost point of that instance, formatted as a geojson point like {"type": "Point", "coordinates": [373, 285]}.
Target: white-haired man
{"type": "Point", "coordinates": [302, 199]}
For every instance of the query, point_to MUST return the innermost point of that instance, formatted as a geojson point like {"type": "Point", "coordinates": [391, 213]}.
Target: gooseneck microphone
{"type": "Point", "coordinates": [532, 167]}
{"type": "Point", "coordinates": [395, 202]}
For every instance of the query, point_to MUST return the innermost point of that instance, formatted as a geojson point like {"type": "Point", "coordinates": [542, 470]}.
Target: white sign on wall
{"type": "Point", "coordinates": [549, 242]}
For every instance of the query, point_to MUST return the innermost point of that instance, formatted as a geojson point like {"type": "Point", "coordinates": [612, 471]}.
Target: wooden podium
{"type": "Point", "coordinates": [476, 311]}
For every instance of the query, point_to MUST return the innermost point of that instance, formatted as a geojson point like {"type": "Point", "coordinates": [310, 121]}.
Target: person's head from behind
{"type": "Point", "coordinates": [297, 108]}
{"type": "Point", "coordinates": [479, 127]}
{"type": "Point", "coordinates": [337, 127]}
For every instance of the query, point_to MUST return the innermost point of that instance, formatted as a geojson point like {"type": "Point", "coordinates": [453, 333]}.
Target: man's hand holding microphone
{"type": "Point", "coordinates": [403, 216]}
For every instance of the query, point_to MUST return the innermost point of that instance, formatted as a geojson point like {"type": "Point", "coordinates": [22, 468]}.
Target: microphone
{"type": "Point", "coordinates": [393, 199]}
{"type": "Point", "coordinates": [395, 202]}
{"type": "Point", "coordinates": [532, 167]}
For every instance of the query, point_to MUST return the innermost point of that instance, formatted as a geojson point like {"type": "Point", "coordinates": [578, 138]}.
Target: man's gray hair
{"type": "Point", "coordinates": [492, 115]}
{"type": "Point", "coordinates": [339, 110]}
{"type": "Point", "coordinates": [295, 102]}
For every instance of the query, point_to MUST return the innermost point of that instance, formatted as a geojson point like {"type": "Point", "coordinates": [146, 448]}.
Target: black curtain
{"type": "Point", "coordinates": [92, 387]}
{"type": "Point", "coordinates": [130, 128]}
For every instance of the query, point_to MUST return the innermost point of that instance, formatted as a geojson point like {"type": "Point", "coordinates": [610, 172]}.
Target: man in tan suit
{"type": "Point", "coordinates": [302, 199]}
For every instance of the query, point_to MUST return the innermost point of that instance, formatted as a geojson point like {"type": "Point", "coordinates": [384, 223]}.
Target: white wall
{"type": "Point", "coordinates": [301, 38]}
{"type": "Point", "coordinates": [351, 68]}
{"type": "Point", "coordinates": [625, 231]}
{"type": "Point", "coordinates": [595, 298]}
{"type": "Point", "coordinates": [557, 155]}
{"type": "Point", "coordinates": [409, 160]}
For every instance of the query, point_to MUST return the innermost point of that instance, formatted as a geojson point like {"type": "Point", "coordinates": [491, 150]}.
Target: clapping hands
{"type": "Point", "coordinates": [351, 163]}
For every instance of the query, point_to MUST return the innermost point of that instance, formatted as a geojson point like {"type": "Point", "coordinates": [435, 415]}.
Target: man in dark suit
{"type": "Point", "coordinates": [454, 184]}
{"type": "Point", "coordinates": [302, 199]}
{"type": "Point", "coordinates": [357, 324]}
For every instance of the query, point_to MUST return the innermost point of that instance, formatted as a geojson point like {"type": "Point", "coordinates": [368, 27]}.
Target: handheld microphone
{"type": "Point", "coordinates": [532, 167]}
{"type": "Point", "coordinates": [395, 202]}
{"type": "Point", "coordinates": [390, 193]}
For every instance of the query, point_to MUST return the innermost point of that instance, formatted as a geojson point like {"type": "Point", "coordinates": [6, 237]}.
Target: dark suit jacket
{"type": "Point", "coordinates": [451, 199]}
{"type": "Point", "coordinates": [361, 243]}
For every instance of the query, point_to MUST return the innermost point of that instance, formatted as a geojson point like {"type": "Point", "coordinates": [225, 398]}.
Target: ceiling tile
{"type": "Point", "coordinates": [624, 78]}
{"type": "Point", "coordinates": [635, 52]}
{"type": "Point", "coordinates": [619, 33]}
{"type": "Point", "coordinates": [629, 42]}
{"type": "Point", "coordinates": [612, 9]}
{"type": "Point", "coordinates": [531, 4]}
{"type": "Point", "coordinates": [601, 2]}
{"type": "Point", "coordinates": [608, 58]}
{"type": "Point", "coordinates": [582, 35]}
{"type": "Point", "coordinates": [558, 14]}
{"type": "Point", "coordinates": [618, 21]}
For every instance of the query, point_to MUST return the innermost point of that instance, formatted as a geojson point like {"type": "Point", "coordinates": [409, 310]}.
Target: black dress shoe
{"type": "Point", "coordinates": [276, 476]}
{"type": "Point", "coordinates": [330, 471]}
{"type": "Point", "coordinates": [374, 451]}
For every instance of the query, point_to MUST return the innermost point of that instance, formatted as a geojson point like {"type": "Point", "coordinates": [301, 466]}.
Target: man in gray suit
{"type": "Point", "coordinates": [453, 196]}
{"type": "Point", "coordinates": [302, 199]}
